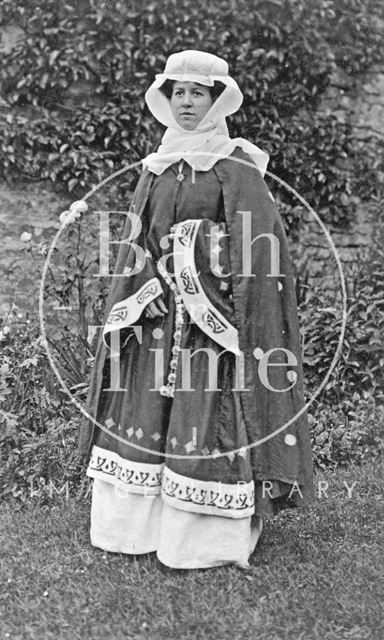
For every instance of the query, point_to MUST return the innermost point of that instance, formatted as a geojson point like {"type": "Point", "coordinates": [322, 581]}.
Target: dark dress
{"type": "Point", "coordinates": [208, 468]}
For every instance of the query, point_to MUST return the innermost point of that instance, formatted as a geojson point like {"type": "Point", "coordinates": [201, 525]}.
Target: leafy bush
{"type": "Point", "coordinates": [350, 434]}
{"type": "Point", "coordinates": [360, 367]}
{"type": "Point", "coordinates": [80, 74]}
{"type": "Point", "coordinates": [37, 430]}
{"type": "Point", "coordinates": [75, 86]}
{"type": "Point", "coordinates": [38, 423]}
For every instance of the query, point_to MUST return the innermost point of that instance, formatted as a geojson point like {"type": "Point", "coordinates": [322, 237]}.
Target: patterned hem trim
{"type": "Point", "coordinates": [198, 305]}
{"type": "Point", "coordinates": [180, 492]}
{"type": "Point", "coordinates": [134, 477]}
{"type": "Point", "coordinates": [125, 313]}
{"type": "Point", "coordinates": [213, 498]}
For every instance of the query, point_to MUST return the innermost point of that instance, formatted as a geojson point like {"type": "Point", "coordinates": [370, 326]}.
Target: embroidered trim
{"type": "Point", "coordinates": [190, 285]}
{"type": "Point", "coordinates": [198, 305]}
{"type": "Point", "coordinates": [187, 494]}
{"type": "Point", "coordinates": [215, 498]}
{"type": "Point", "coordinates": [147, 292]}
{"type": "Point", "coordinates": [186, 232]}
{"type": "Point", "coordinates": [137, 477]}
{"type": "Point", "coordinates": [126, 312]}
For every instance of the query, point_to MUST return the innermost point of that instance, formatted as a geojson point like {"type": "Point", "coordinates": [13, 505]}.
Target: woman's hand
{"type": "Point", "coordinates": [172, 232]}
{"type": "Point", "coordinates": [156, 308]}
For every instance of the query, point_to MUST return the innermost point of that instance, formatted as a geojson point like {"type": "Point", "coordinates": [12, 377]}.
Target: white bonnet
{"type": "Point", "coordinates": [195, 66]}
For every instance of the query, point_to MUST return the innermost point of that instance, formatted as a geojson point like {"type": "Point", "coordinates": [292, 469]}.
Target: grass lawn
{"type": "Point", "coordinates": [317, 574]}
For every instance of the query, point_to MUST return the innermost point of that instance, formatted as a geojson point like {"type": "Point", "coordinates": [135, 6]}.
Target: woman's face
{"type": "Point", "coordinates": [190, 102]}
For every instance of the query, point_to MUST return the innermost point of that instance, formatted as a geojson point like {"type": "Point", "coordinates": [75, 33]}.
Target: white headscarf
{"type": "Point", "coordinates": [209, 141]}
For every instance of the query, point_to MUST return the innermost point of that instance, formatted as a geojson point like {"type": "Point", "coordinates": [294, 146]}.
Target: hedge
{"type": "Point", "coordinates": [282, 53]}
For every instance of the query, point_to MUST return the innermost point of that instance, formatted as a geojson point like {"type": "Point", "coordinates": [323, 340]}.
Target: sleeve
{"type": "Point", "coordinates": [135, 281]}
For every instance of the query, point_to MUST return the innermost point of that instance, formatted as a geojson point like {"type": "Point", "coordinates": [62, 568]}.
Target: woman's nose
{"type": "Point", "coordinates": [186, 100]}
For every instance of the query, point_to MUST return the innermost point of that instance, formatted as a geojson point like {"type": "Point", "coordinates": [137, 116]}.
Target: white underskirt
{"type": "Point", "coordinates": [133, 523]}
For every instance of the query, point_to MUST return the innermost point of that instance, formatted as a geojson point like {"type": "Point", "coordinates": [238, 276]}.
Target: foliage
{"type": "Point", "coordinates": [38, 430]}
{"type": "Point", "coordinates": [76, 83]}
{"type": "Point", "coordinates": [41, 465]}
{"type": "Point", "coordinates": [350, 434]}
{"type": "Point", "coordinates": [347, 422]}
{"type": "Point", "coordinates": [360, 366]}
{"type": "Point", "coordinates": [38, 424]}
{"type": "Point", "coordinates": [24, 379]}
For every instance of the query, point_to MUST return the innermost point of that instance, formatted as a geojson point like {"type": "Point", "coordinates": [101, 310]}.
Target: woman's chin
{"type": "Point", "coordinates": [187, 124]}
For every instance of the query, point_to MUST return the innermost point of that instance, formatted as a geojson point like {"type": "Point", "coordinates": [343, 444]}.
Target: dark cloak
{"type": "Point", "coordinates": [265, 316]}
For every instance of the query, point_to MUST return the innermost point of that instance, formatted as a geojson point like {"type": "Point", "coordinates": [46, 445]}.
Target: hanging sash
{"type": "Point", "coordinates": [200, 308]}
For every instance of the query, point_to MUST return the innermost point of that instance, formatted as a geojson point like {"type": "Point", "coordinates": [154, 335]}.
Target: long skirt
{"type": "Point", "coordinates": [130, 523]}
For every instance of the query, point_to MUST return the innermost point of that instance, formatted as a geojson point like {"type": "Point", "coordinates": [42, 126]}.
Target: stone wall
{"type": "Point", "coordinates": [360, 102]}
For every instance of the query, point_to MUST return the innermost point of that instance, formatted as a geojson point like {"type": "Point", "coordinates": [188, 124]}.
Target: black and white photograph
{"type": "Point", "coordinates": [191, 319]}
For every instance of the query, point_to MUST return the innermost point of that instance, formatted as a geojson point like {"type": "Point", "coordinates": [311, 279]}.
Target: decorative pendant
{"type": "Point", "coordinates": [180, 176]}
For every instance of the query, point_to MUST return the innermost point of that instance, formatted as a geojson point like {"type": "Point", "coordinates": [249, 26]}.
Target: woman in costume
{"type": "Point", "coordinates": [197, 428]}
